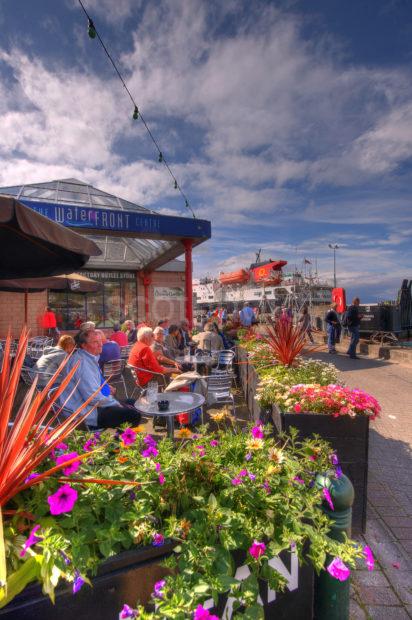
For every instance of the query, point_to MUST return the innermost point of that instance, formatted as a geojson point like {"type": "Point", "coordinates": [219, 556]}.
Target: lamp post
{"type": "Point", "coordinates": [334, 247]}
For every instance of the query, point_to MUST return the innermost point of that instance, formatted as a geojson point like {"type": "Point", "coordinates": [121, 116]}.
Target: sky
{"type": "Point", "coordinates": [287, 123]}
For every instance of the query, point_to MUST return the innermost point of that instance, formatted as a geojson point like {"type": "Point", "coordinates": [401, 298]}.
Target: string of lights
{"type": "Point", "coordinates": [137, 114]}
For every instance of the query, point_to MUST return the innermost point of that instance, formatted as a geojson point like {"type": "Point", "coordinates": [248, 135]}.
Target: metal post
{"type": "Point", "coordinates": [146, 281]}
{"type": "Point", "coordinates": [334, 267]}
{"type": "Point", "coordinates": [188, 244]}
{"type": "Point", "coordinates": [332, 595]}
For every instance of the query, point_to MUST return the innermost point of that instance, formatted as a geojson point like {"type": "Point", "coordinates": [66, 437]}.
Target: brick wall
{"type": "Point", "coordinates": [12, 312]}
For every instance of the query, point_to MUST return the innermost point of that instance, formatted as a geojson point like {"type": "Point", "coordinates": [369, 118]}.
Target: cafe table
{"type": "Point", "coordinates": [179, 402]}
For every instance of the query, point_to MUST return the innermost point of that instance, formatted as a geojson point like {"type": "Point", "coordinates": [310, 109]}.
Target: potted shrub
{"type": "Point", "coordinates": [241, 509]}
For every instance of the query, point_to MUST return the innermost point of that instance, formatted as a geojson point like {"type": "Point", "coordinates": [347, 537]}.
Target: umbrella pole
{"type": "Point", "coordinates": [26, 300]}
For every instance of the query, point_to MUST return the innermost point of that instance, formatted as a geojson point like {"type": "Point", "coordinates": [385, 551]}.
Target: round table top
{"type": "Point", "coordinates": [195, 359]}
{"type": "Point", "coordinates": [179, 402]}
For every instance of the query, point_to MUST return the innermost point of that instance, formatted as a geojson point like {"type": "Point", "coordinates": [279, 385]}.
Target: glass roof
{"type": "Point", "coordinates": [117, 252]}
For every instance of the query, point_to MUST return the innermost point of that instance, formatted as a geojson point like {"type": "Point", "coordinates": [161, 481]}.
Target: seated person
{"type": "Point", "coordinates": [131, 331]}
{"type": "Point", "coordinates": [142, 356]}
{"type": "Point", "coordinates": [160, 351]}
{"type": "Point", "coordinates": [164, 324]}
{"type": "Point", "coordinates": [173, 341]}
{"type": "Point", "coordinates": [119, 336]}
{"type": "Point", "coordinates": [51, 359]}
{"type": "Point", "coordinates": [110, 350]}
{"type": "Point", "coordinates": [185, 335]}
{"type": "Point", "coordinates": [227, 343]}
{"type": "Point", "coordinates": [107, 411]}
{"type": "Point", "coordinates": [209, 340]}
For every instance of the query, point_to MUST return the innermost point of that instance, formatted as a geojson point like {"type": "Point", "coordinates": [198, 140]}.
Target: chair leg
{"type": "Point", "coordinates": [124, 386]}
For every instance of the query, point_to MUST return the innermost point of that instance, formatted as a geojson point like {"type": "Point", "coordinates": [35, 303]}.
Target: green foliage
{"type": "Point", "coordinates": [198, 506]}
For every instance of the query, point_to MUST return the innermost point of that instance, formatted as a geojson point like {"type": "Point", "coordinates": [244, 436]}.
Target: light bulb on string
{"type": "Point", "coordinates": [175, 184]}
{"type": "Point", "coordinates": [136, 113]}
{"type": "Point", "coordinates": [91, 30]}
{"type": "Point", "coordinates": [160, 157]}
{"type": "Point", "coordinates": [187, 204]}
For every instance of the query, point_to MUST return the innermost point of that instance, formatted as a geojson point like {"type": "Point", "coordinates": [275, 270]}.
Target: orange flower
{"type": "Point", "coordinates": [122, 459]}
{"type": "Point", "coordinates": [184, 433]}
{"type": "Point", "coordinates": [139, 429]}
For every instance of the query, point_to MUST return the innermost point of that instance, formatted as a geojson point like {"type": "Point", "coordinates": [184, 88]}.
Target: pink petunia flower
{"type": "Point", "coordinates": [203, 614]}
{"type": "Point", "coordinates": [369, 559]}
{"type": "Point", "coordinates": [63, 500]}
{"type": "Point", "coordinates": [257, 432]}
{"type": "Point", "coordinates": [150, 451]}
{"type": "Point", "coordinates": [338, 570]}
{"type": "Point", "coordinates": [257, 549]}
{"type": "Point", "coordinates": [162, 479]}
{"type": "Point", "coordinates": [73, 467]}
{"type": "Point", "coordinates": [128, 437]}
{"type": "Point", "coordinates": [214, 443]}
{"type": "Point", "coordinates": [158, 540]}
{"type": "Point", "coordinates": [157, 466]}
{"type": "Point", "coordinates": [128, 612]}
{"type": "Point", "coordinates": [32, 540]}
{"type": "Point", "coordinates": [236, 481]}
{"type": "Point", "coordinates": [158, 588]}
{"type": "Point", "coordinates": [297, 408]}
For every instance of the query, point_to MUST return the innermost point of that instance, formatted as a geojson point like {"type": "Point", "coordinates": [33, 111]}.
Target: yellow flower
{"type": "Point", "coordinates": [273, 469]}
{"type": "Point", "coordinates": [222, 414]}
{"type": "Point", "coordinates": [184, 433]}
{"type": "Point", "coordinates": [254, 444]}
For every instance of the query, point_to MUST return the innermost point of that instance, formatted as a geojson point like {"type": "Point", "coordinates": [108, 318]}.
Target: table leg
{"type": "Point", "coordinates": [170, 426]}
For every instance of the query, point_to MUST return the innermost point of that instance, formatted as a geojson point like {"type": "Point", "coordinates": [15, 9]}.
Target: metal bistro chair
{"type": "Point", "coordinates": [36, 346]}
{"type": "Point", "coordinates": [225, 364]}
{"type": "Point", "coordinates": [28, 375]}
{"type": "Point", "coordinates": [125, 351]}
{"type": "Point", "coordinates": [218, 390]}
{"type": "Point", "coordinates": [113, 371]}
{"type": "Point", "coordinates": [135, 369]}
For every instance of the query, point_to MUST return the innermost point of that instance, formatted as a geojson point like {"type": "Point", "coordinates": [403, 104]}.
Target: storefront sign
{"type": "Point", "coordinates": [163, 292]}
{"type": "Point", "coordinates": [134, 223]}
{"type": "Point", "coordinates": [109, 275]}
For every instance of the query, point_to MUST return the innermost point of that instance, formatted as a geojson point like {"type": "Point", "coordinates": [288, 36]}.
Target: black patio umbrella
{"type": "Point", "coordinates": [31, 245]}
{"type": "Point", "coordinates": [75, 282]}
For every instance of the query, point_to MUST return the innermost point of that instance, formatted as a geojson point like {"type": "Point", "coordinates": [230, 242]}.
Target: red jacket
{"type": "Point", "coordinates": [142, 356]}
{"type": "Point", "coordinates": [120, 338]}
{"type": "Point", "coordinates": [48, 320]}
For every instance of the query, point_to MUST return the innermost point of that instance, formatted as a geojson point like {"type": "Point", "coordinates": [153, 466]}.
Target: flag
{"type": "Point", "coordinates": [307, 261]}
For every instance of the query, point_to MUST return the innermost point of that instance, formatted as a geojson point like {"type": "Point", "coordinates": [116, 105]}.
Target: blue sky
{"type": "Point", "coordinates": [288, 123]}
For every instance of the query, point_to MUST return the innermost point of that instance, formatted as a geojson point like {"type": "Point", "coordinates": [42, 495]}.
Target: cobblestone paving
{"type": "Point", "coordinates": [386, 592]}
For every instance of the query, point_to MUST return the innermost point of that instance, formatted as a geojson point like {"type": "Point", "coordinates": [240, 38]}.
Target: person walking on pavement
{"type": "Point", "coordinates": [246, 315]}
{"type": "Point", "coordinates": [305, 323]}
{"type": "Point", "coordinates": [353, 319]}
{"type": "Point", "coordinates": [332, 324]}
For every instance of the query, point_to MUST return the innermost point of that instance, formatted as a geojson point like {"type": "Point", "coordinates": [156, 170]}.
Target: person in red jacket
{"type": "Point", "coordinates": [119, 336]}
{"type": "Point", "coordinates": [142, 356]}
{"type": "Point", "coordinates": [49, 323]}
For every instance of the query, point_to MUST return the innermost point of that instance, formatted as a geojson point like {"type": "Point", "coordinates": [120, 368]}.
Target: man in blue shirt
{"type": "Point", "coordinates": [246, 315]}
{"type": "Point", "coordinates": [110, 350]}
{"type": "Point", "coordinates": [105, 410]}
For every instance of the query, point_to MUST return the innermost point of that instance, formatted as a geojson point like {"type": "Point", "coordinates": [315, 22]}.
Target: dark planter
{"type": "Point", "coordinates": [295, 602]}
{"type": "Point", "coordinates": [125, 578]}
{"type": "Point", "coordinates": [349, 437]}
{"type": "Point", "coordinates": [243, 367]}
{"type": "Point", "coordinates": [131, 575]}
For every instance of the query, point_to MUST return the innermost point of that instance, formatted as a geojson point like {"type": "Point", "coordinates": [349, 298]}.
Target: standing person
{"type": "Point", "coordinates": [332, 325]}
{"type": "Point", "coordinates": [305, 323]}
{"type": "Point", "coordinates": [246, 315]}
{"type": "Point", "coordinates": [49, 323]}
{"type": "Point", "coordinates": [353, 319]}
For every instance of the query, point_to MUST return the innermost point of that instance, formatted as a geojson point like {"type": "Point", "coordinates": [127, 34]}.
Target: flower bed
{"type": "Point", "coordinates": [213, 495]}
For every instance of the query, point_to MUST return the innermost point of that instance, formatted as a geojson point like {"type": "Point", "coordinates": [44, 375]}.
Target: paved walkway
{"type": "Point", "coordinates": [386, 592]}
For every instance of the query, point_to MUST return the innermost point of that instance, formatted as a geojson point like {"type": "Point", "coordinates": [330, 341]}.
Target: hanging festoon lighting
{"type": "Point", "coordinates": [160, 157]}
{"type": "Point", "coordinates": [91, 30]}
{"type": "Point", "coordinates": [175, 184]}
{"type": "Point", "coordinates": [136, 113]}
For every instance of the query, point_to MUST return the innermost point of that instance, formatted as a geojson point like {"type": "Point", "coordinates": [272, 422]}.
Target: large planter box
{"type": "Point", "coordinates": [131, 575]}
{"type": "Point", "coordinates": [243, 367]}
{"type": "Point", "coordinates": [124, 578]}
{"type": "Point", "coordinates": [350, 438]}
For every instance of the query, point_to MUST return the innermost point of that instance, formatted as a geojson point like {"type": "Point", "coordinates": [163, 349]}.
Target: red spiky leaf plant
{"type": "Point", "coordinates": [285, 340]}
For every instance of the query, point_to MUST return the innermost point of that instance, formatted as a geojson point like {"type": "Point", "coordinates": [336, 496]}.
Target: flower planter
{"type": "Point", "coordinates": [123, 578]}
{"type": "Point", "coordinates": [349, 437]}
{"type": "Point", "coordinates": [243, 367]}
{"type": "Point", "coordinates": [131, 575]}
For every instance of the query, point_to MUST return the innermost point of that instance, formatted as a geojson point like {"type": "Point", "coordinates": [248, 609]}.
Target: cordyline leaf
{"type": "Point", "coordinates": [285, 340]}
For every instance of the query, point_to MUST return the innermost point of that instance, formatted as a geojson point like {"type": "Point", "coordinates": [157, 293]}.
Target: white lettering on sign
{"type": "Point", "coordinates": [243, 573]}
{"type": "Point", "coordinates": [163, 292]}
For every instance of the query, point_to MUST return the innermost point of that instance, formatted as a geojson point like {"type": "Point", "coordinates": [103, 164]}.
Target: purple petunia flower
{"type": "Point", "coordinates": [252, 477]}
{"type": "Point", "coordinates": [334, 459]}
{"type": "Point", "coordinates": [214, 443]}
{"type": "Point", "coordinates": [61, 446]}
{"type": "Point", "coordinates": [158, 540]}
{"type": "Point", "coordinates": [158, 588]}
{"type": "Point", "coordinates": [63, 500]}
{"type": "Point", "coordinates": [32, 540]}
{"type": "Point", "coordinates": [73, 467]}
{"type": "Point", "coordinates": [66, 558]}
{"type": "Point", "coordinates": [128, 612]}
{"type": "Point", "coordinates": [248, 456]}
{"type": "Point", "coordinates": [369, 559]}
{"type": "Point", "coordinates": [150, 451]}
{"type": "Point", "coordinates": [78, 582]}
{"type": "Point", "coordinates": [338, 569]}
{"type": "Point", "coordinates": [88, 446]}
{"type": "Point", "coordinates": [30, 477]}
{"type": "Point", "coordinates": [266, 486]}
{"type": "Point", "coordinates": [257, 549]}
{"type": "Point", "coordinates": [298, 480]}
{"type": "Point", "coordinates": [128, 436]}
{"type": "Point", "coordinates": [162, 479]}
{"type": "Point", "coordinates": [132, 495]}
{"type": "Point", "coordinates": [157, 466]}
{"type": "Point", "coordinates": [236, 481]}
{"type": "Point", "coordinates": [257, 432]}
{"type": "Point", "coordinates": [328, 498]}
{"type": "Point", "coordinates": [201, 613]}
{"type": "Point", "coordinates": [338, 471]}
{"type": "Point", "coordinates": [242, 473]}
